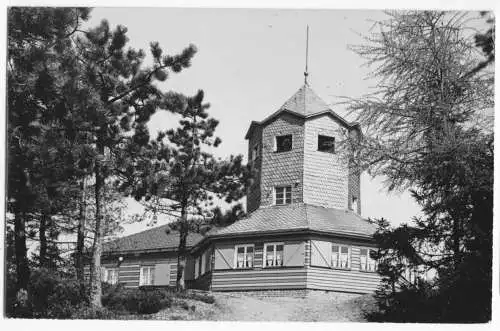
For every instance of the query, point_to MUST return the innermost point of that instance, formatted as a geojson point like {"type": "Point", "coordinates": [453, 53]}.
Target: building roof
{"type": "Point", "coordinates": [305, 103]}
{"type": "Point", "coordinates": [301, 216]}
{"type": "Point", "coordinates": [154, 239]}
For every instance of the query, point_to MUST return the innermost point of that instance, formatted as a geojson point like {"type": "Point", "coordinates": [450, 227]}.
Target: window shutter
{"type": "Point", "coordinates": [162, 274]}
{"type": "Point", "coordinates": [224, 258]}
{"type": "Point", "coordinates": [189, 271]}
{"type": "Point", "coordinates": [203, 263]}
{"type": "Point", "coordinates": [293, 254]}
{"type": "Point", "coordinates": [321, 253]}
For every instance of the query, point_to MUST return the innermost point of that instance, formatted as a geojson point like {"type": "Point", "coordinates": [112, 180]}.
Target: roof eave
{"type": "Point", "coordinates": [350, 234]}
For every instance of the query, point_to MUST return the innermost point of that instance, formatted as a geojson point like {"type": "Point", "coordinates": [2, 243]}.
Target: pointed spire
{"type": "Point", "coordinates": [306, 73]}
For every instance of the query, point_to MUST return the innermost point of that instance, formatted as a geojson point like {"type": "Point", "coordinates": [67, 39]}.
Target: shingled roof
{"type": "Point", "coordinates": [154, 239]}
{"type": "Point", "coordinates": [301, 216]}
{"type": "Point", "coordinates": [305, 102]}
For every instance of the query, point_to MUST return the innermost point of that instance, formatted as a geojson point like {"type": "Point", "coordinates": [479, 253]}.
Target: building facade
{"type": "Point", "coordinates": [304, 230]}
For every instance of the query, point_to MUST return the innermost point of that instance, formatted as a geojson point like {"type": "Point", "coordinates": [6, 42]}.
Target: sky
{"type": "Point", "coordinates": [250, 61]}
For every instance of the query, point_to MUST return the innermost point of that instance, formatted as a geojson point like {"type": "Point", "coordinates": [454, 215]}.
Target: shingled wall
{"type": "Point", "coordinates": [284, 168]}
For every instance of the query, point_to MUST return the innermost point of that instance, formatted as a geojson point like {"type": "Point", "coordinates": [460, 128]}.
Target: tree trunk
{"type": "Point", "coordinates": [95, 282]}
{"type": "Point", "coordinates": [181, 257]}
{"type": "Point", "coordinates": [80, 240]}
{"type": "Point", "coordinates": [43, 239]}
{"type": "Point", "coordinates": [22, 268]}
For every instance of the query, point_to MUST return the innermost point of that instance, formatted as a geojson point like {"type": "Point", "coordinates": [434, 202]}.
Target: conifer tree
{"type": "Point", "coordinates": [120, 97]}
{"type": "Point", "coordinates": [181, 177]}
{"type": "Point", "coordinates": [427, 128]}
{"type": "Point", "coordinates": [39, 56]}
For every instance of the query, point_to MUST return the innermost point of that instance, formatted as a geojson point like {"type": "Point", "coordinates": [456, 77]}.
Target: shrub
{"type": "Point", "coordinates": [135, 301]}
{"type": "Point", "coordinates": [48, 296]}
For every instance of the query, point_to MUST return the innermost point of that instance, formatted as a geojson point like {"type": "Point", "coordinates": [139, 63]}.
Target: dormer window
{"type": "Point", "coordinates": [326, 144]}
{"type": "Point", "coordinates": [283, 143]}
{"type": "Point", "coordinates": [283, 195]}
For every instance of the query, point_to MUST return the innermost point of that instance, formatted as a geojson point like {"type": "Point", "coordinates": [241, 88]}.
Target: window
{"type": "Point", "coordinates": [244, 256]}
{"type": "Point", "coordinates": [326, 144]}
{"type": "Point", "coordinates": [354, 204]}
{"type": "Point", "coordinates": [367, 263]}
{"type": "Point", "coordinates": [255, 152]}
{"type": "Point", "coordinates": [283, 195]}
{"type": "Point", "coordinates": [340, 257]}
{"type": "Point", "coordinates": [146, 276]}
{"type": "Point", "coordinates": [110, 275]}
{"type": "Point", "coordinates": [113, 276]}
{"type": "Point", "coordinates": [283, 143]}
{"type": "Point", "coordinates": [273, 255]}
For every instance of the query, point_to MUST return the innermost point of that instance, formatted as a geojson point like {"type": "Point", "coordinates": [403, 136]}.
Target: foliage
{"type": "Point", "coordinates": [122, 97]}
{"type": "Point", "coordinates": [422, 132]}
{"type": "Point", "coordinates": [135, 301]}
{"type": "Point", "coordinates": [181, 177]}
{"type": "Point", "coordinates": [421, 63]}
{"type": "Point", "coordinates": [48, 296]}
{"type": "Point", "coordinates": [40, 162]}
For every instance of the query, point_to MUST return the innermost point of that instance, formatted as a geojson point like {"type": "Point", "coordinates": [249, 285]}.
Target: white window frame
{"type": "Point", "coordinates": [349, 249]}
{"type": "Point", "coordinates": [245, 246]}
{"type": "Point", "coordinates": [142, 280]}
{"type": "Point", "coordinates": [264, 256]}
{"type": "Point", "coordinates": [114, 278]}
{"type": "Point", "coordinates": [368, 258]}
{"type": "Point", "coordinates": [284, 187]}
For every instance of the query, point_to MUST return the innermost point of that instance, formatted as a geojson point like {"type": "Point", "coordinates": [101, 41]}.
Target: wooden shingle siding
{"type": "Point", "coordinates": [241, 280]}
{"type": "Point", "coordinates": [253, 196]}
{"type": "Point", "coordinates": [342, 280]}
{"type": "Point", "coordinates": [284, 168]}
{"type": "Point", "coordinates": [325, 174]}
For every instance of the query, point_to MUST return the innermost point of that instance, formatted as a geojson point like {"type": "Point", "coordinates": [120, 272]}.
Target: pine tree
{"type": "Point", "coordinates": [180, 177]}
{"type": "Point", "coordinates": [38, 49]}
{"type": "Point", "coordinates": [119, 96]}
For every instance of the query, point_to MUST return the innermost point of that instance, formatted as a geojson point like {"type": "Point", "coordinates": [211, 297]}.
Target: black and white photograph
{"type": "Point", "coordinates": [249, 164]}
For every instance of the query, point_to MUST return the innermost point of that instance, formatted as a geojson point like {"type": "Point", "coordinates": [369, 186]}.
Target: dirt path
{"type": "Point", "coordinates": [320, 307]}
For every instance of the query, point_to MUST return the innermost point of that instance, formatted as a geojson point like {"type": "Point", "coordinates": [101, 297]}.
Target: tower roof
{"type": "Point", "coordinates": [305, 102]}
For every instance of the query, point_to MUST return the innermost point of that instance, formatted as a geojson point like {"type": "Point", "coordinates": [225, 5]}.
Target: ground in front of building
{"type": "Point", "coordinates": [315, 307]}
